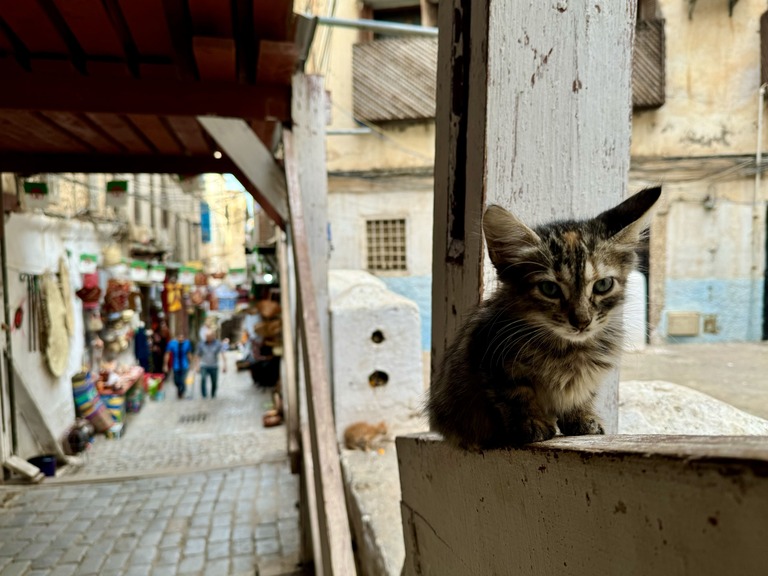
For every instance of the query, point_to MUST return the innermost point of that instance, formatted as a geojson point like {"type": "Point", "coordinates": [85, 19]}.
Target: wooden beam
{"type": "Point", "coordinates": [499, 129]}
{"type": "Point", "coordinates": [146, 96]}
{"type": "Point", "coordinates": [256, 163]}
{"type": "Point", "coordinates": [259, 198]}
{"type": "Point", "coordinates": [211, 17]}
{"type": "Point", "coordinates": [190, 134]}
{"type": "Point", "coordinates": [245, 41]}
{"type": "Point", "coordinates": [85, 130]}
{"type": "Point", "coordinates": [74, 50]}
{"type": "Point", "coordinates": [335, 537]}
{"type": "Point", "coordinates": [147, 23]}
{"type": "Point", "coordinates": [123, 131]}
{"type": "Point", "coordinates": [289, 378]}
{"type": "Point", "coordinates": [91, 26]}
{"type": "Point", "coordinates": [215, 57]}
{"type": "Point", "coordinates": [156, 132]}
{"type": "Point", "coordinates": [38, 162]}
{"type": "Point", "coordinates": [180, 32]}
{"type": "Point", "coordinates": [277, 62]}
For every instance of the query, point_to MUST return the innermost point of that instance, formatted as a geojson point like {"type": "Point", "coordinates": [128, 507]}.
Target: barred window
{"type": "Point", "coordinates": [386, 244]}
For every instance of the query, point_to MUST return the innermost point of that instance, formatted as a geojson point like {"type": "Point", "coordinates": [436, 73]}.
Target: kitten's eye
{"type": "Point", "coordinates": [603, 285]}
{"type": "Point", "coordinates": [549, 289]}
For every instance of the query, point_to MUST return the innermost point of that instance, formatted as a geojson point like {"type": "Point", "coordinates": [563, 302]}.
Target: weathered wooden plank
{"type": "Point", "coordinates": [148, 26]}
{"type": "Point", "coordinates": [308, 139]}
{"type": "Point", "coordinates": [85, 131]}
{"type": "Point", "coordinates": [547, 138]}
{"type": "Point", "coordinates": [215, 58]}
{"type": "Point", "coordinates": [121, 131]}
{"type": "Point", "coordinates": [637, 505]}
{"type": "Point", "coordinates": [289, 378]}
{"type": "Point", "coordinates": [33, 27]}
{"type": "Point", "coordinates": [211, 17]}
{"type": "Point", "coordinates": [37, 128]}
{"type": "Point", "coordinates": [23, 157]}
{"type": "Point", "coordinates": [190, 133]}
{"type": "Point", "coordinates": [89, 22]}
{"type": "Point", "coordinates": [272, 19]}
{"type": "Point", "coordinates": [335, 537]}
{"type": "Point", "coordinates": [568, 128]}
{"type": "Point", "coordinates": [459, 170]}
{"type": "Point", "coordinates": [277, 62]}
{"type": "Point", "coordinates": [162, 96]}
{"type": "Point", "coordinates": [155, 131]}
{"type": "Point", "coordinates": [256, 162]}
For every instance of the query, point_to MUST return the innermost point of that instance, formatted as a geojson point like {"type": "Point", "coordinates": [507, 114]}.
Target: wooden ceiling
{"type": "Point", "coordinates": [116, 85]}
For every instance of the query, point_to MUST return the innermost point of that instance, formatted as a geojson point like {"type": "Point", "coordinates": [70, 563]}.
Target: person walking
{"type": "Point", "coordinates": [208, 352]}
{"type": "Point", "coordinates": [179, 355]}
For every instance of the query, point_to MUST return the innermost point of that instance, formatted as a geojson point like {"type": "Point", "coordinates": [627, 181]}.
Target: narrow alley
{"type": "Point", "coordinates": [194, 486]}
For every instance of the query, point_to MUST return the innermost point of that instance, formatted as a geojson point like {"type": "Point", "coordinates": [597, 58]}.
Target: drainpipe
{"type": "Point", "coordinates": [755, 211]}
{"type": "Point", "coordinates": [380, 26]}
{"type": "Point", "coordinates": [8, 339]}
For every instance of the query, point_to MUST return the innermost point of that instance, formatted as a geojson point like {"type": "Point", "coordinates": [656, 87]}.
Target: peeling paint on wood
{"type": "Point", "coordinates": [629, 505]}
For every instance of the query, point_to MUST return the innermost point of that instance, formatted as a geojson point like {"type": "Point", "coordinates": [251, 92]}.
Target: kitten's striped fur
{"type": "Point", "coordinates": [533, 355]}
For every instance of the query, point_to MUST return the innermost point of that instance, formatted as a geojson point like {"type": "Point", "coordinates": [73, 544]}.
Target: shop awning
{"type": "Point", "coordinates": [118, 85]}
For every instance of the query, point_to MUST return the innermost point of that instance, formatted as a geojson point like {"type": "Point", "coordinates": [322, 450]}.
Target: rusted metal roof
{"type": "Point", "coordinates": [648, 65]}
{"type": "Point", "coordinates": [394, 79]}
{"type": "Point", "coordinates": [116, 85]}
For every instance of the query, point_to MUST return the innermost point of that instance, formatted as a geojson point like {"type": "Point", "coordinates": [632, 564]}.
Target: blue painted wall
{"type": "Point", "coordinates": [732, 300]}
{"type": "Point", "coordinates": [418, 289]}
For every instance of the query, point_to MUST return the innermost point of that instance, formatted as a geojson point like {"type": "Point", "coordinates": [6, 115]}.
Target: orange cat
{"type": "Point", "coordinates": [361, 435]}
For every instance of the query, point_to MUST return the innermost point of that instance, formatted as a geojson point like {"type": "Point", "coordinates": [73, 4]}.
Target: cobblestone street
{"type": "Point", "coordinates": [194, 486]}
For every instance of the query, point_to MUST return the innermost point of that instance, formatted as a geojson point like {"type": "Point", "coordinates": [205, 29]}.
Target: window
{"type": "Point", "coordinates": [385, 240]}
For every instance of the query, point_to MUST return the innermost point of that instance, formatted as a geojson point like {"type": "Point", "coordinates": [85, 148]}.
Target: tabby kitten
{"type": "Point", "coordinates": [533, 355]}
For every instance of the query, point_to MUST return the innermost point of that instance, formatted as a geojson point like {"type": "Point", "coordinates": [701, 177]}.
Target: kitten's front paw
{"type": "Point", "coordinates": [581, 426]}
{"type": "Point", "coordinates": [535, 430]}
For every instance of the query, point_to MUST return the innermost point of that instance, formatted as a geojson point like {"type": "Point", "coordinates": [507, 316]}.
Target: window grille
{"type": "Point", "coordinates": [386, 244]}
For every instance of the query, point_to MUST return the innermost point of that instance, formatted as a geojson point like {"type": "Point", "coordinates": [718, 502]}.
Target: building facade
{"type": "Point", "coordinates": [697, 131]}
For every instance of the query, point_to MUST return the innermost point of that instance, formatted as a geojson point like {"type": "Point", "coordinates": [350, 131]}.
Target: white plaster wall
{"type": "Point", "coordinates": [35, 244]}
{"type": "Point", "coordinates": [356, 314]}
{"type": "Point", "coordinates": [715, 242]}
{"type": "Point", "coordinates": [712, 82]}
{"type": "Point", "coordinates": [352, 202]}
{"type": "Point", "coordinates": [340, 281]}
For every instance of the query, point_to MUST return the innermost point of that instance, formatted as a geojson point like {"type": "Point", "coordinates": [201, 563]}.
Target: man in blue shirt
{"type": "Point", "coordinates": [179, 352]}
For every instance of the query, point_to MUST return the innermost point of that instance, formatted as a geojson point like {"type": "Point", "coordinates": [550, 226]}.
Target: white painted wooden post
{"type": "Point", "coordinates": [534, 114]}
{"type": "Point", "coordinates": [309, 116]}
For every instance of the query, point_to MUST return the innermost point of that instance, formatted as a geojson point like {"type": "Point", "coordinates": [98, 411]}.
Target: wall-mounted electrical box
{"type": "Point", "coordinates": [683, 323]}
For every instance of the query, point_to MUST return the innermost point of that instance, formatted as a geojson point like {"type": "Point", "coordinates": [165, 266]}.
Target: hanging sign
{"type": "Point", "coordinates": [36, 194]}
{"type": "Point", "coordinates": [88, 263]}
{"type": "Point", "coordinates": [117, 193]}
{"type": "Point", "coordinates": [186, 276]}
{"type": "Point", "coordinates": [139, 271]}
{"type": "Point", "coordinates": [205, 222]}
{"type": "Point", "coordinates": [156, 273]}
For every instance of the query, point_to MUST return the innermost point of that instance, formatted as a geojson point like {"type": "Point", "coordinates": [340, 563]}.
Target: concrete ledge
{"type": "Point", "coordinates": [373, 502]}
{"type": "Point", "coordinates": [628, 505]}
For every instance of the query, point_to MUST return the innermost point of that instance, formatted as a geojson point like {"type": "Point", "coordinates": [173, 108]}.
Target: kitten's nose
{"type": "Point", "coordinates": [577, 321]}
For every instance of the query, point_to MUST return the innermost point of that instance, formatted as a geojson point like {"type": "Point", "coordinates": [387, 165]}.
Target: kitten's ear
{"type": "Point", "coordinates": [627, 221]}
{"type": "Point", "coordinates": [506, 234]}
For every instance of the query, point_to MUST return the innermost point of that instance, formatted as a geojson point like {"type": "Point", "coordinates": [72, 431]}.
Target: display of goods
{"type": "Point", "coordinates": [56, 343]}
{"type": "Point", "coordinates": [116, 297]}
{"type": "Point", "coordinates": [88, 403]}
{"type": "Point", "coordinates": [116, 405]}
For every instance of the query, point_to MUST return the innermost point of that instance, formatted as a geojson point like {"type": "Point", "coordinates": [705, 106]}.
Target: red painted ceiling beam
{"type": "Point", "coordinates": [162, 97]}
